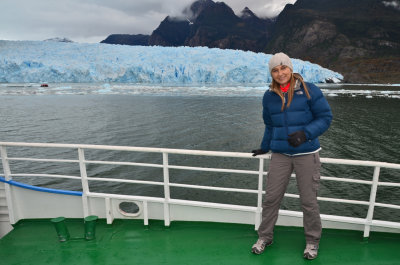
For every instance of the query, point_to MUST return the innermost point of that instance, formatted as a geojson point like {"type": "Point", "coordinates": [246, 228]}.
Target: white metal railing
{"type": "Point", "coordinates": [167, 200]}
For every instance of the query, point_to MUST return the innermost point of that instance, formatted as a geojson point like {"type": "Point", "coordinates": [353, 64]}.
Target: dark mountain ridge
{"type": "Point", "coordinates": [127, 39]}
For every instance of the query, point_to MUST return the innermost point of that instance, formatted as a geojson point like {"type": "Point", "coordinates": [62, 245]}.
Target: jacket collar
{"type": "Point", "coordinates": [297, 85]}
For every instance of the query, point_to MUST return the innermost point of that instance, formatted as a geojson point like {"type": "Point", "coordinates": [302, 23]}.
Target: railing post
{"type": "Point", "coordinates": [372, 199]}
{"type": "Point", "coordinates": [259, 195]}
{"type": "Point", "coordinates": [145, 213]}
{"type": "Point", "coordinates": [166, 189]}
{"type": "Point", "coordinates": [109, 213]}
{"type": "Point", "coordinates": [84, 180]}
{"type": "Point", "coordinates": [6, 165]}
{"type": "Point", "coordinates": [7, 176]}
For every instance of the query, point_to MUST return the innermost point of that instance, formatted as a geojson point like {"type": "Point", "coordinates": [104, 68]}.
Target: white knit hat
{"type": "Point", "coordinates": [279, 59]}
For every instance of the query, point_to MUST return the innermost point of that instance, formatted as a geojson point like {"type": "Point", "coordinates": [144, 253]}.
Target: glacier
{"type": "Point", "coordinates": [59, 62]}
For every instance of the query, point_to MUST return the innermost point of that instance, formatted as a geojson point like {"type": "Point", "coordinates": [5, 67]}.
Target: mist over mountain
{"type": "Point", "coordinates": [360, 39]}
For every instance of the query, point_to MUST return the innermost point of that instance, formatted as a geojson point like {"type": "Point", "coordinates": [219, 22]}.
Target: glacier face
{"type": "Point", "coordinates": [57, 62]}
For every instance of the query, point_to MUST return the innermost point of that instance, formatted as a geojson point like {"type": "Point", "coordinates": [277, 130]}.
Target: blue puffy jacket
{"type": "Point", "coordinates": [313, 116]}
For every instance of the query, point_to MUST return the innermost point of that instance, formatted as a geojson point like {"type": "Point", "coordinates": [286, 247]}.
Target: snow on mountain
{"type": "Point", "coordinates": [58, 62]}
{"type": "Point", "coordinates": [57, 39]}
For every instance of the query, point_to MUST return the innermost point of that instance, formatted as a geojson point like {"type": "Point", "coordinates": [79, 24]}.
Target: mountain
{"type": "Point", "coordinates": [215, 25]}
{"type": "Point", "coordinates": [175, 31]}
{"type": "Point", "coordinates": [206, 23]}
{"type": "Point", "coordinates": [127, 39]}
{"type": "Point", "coordinates": [171, 32]}
{"type": "Point", "coordinates": [360, 39]}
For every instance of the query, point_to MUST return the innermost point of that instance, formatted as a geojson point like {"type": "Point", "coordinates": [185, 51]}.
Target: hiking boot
{"type": "Point", "coordinates": [260, 245]}
{"type": "Point", "coordinates": [311, 251]}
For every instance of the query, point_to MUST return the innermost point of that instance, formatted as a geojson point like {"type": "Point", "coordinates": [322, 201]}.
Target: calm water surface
{"type": "Point", "coordinates": [365, 127]}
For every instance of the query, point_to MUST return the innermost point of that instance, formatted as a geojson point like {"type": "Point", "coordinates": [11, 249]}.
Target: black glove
{"type": "Point", "coordinates": [258, 152]}
{"type": "Point", "coordinates": [297, 138]}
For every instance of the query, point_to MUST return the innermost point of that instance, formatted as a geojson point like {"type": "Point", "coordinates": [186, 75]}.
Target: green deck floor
{"type": "Point", "coordinates": [130, 242]}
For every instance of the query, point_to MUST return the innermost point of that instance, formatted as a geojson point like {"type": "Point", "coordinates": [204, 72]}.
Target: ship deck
{"type": "Point", "coordinates": [130, 242]}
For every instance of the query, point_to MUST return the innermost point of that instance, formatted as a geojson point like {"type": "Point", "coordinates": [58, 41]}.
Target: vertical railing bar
{"type": "Point", "coordinates": [109, 214]}
{"type": "Point", "coordinates": [145, 213]}
{"type": "Point", "coordinates": [8, 177]}
{"type": "Point", "coordinates": [6, 165]}
{"type": "Point", "coordinates": [260, 194]}
{"type": "Point", "coordinates": [372, 200]}
{"type": "Point", "coordinates": [166, 189]}
{"type": "Point", "coordinates": [84, 180]}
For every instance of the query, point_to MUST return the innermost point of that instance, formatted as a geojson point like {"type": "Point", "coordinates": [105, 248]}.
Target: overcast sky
{"type": "Point", "coordinates": [94, 20]}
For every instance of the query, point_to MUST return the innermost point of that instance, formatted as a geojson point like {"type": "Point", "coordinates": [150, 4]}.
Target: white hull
{"type": "Point", "coordinates": [32, 204]}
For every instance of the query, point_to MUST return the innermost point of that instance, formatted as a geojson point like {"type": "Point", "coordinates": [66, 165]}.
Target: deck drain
{"type": "Point", "coordinates": [131, 209]}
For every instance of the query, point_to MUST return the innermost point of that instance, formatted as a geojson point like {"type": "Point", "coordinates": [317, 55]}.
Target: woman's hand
{"type": "Point", "coordinates": [297, 138]}
{"type": "Point", "coordinates": [258, 152]}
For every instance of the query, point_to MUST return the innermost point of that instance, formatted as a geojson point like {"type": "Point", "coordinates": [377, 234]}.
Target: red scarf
{"type": "Point", "coordinates": [285, 88]}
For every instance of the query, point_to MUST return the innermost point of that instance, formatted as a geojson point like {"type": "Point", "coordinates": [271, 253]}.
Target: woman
{"type": "Point", "coordinates": [295, 113]}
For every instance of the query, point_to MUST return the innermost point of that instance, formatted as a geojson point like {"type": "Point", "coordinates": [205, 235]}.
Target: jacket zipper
{"type": "Point", "coordinates": [285, 113]}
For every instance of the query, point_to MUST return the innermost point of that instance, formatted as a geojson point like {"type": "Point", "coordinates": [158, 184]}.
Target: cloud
{"type": "Point", "coordinates": [138, 8]}
{"type": "Point", "coordinates": [94, 20]}
{"type": "Point", "coordinates": [394, 4]}
{"type": "Point", "coordinates": [37, 20]}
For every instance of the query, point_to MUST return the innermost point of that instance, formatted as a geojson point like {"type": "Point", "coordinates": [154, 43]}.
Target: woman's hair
{"type": "Point", "coordinates": [275, 87]}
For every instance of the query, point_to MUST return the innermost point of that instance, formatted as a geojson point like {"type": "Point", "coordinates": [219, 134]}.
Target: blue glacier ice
{"type": "Point", "coordinates": [57, 62]}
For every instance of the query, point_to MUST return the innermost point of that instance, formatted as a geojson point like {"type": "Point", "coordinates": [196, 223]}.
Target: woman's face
{"type": "Point", "coordinates": [281, 74]}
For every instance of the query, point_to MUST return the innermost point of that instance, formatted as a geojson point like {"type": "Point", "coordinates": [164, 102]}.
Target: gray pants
{"type": "Point", "coordinates": [307, 169]}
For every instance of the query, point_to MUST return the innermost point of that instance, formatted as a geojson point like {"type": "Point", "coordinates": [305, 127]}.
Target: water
{"type": "Point", "coordinates": [365, 127]}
